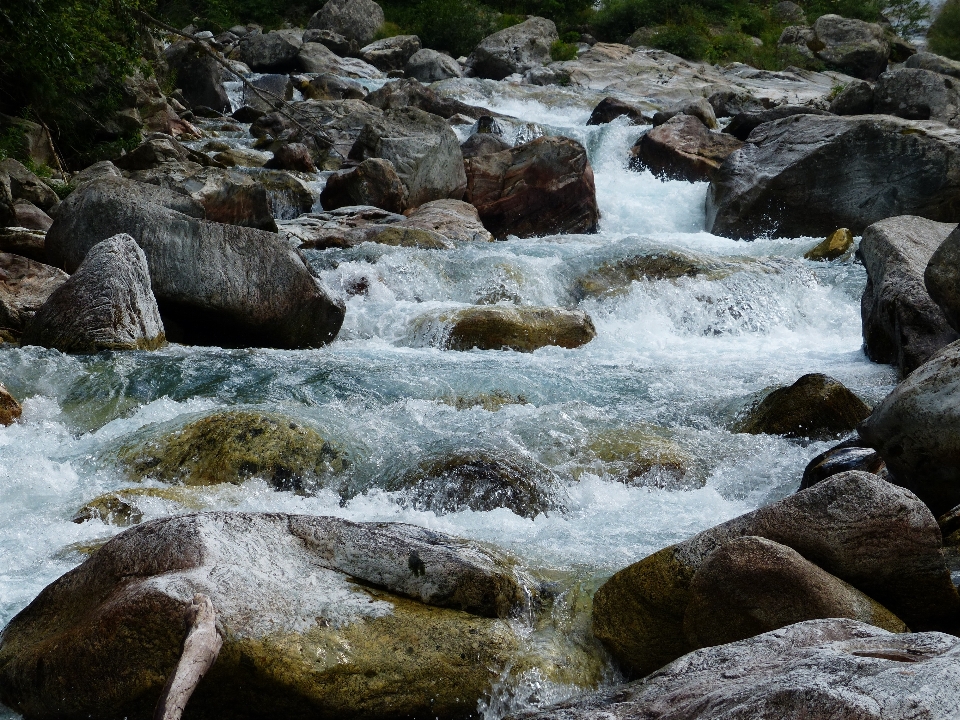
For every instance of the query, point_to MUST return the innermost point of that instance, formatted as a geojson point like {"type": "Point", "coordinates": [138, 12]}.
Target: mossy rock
{"type": "Point", "coordinates": [10, 409]}
{"type": "Point", "coordinates": [492, 401]}
{"type": "Point", "coordinates": [482, 481]}
{"type": "Point", "coordinates": [816, 406]}
{"type": "Point", "coordinates": [613, 278]}
{"type": "Point", "coordinates": [640, 456]}
{"type": "Point", "coordinates": [524, 329]}
{"type": "Point", "coordinates": [837, 244]}
{"type": "Point", "coordinates": [235, 445]}
{"type": "Point", "coordinates": [122, 509]}
{"type": "Point", "coordinates": [411, 238]}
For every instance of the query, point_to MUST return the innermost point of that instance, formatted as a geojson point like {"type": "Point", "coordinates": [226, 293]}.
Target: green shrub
{"type": "Point", "coordinates": [388, 30]}
{"type": "Point", "coordinates": [559, 50]}
{"type": "Point", "coordinates": [455, 26]}
{"type": "Point", "coordinates": [944, 34]}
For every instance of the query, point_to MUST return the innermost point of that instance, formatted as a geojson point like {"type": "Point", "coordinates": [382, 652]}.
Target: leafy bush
{"type": "Point", "coordinates": [907, 17]}
{"type": "Point", "coordinates": [456, 26]}
{"type": "Point", "coordinates": [944, 34]}
{"type": "Point", "coordinates": [559, 50]}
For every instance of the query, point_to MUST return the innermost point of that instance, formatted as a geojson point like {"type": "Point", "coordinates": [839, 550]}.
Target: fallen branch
{"type": "Point", "coordinates": [200, 650]}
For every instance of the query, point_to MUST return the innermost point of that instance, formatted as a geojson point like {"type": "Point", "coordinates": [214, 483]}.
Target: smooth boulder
{"type": "Point", "coordinates": [356, 20]}
{"type": "Point", "coordinates": [10, 409]}
{"type": "Point", "coordinates": [917, 94]}
{"type": "Point", "coordinates": [543, 187]}
{"type": "Point", "coordinates": [810, 174]}
{"type": "Point", "coordinates": [390, 53]}
{"type": "Point", "coordinates": [856, 98]}
{"type": "Point", "coordinates": [916, 429]}
{"type": "Point", "coordinates": [816, 406]}
{"type": "Point", "coordinates": [423, 149]}
{"type": "Point", "coordinates": [746, 122]}
{"type": "Point", "coordinates": [902, 324]}
{"type": "Point", "coordinates": [106, 304]}
{"type": "Point", "coordinates": [516, 49]}
{"type": "Point", "coordinates": [24, 185]}
{"type": "Point", "coordinates": [609, 109]}
{"type": "Point", "coordinates": [834, 246]}
{"type": "Point", "coordinates": [832, 668]}
{"type": "Point", "coordinates": [878, 537]}
{"type": "Point", "coordinates": [429, 66]}
{"type": "Point", "coordinates": [683, 148]}
{"type": "Point", "coordinates": [524, 329]}
{"type": "Point", "coordinates": [215, 284]}
{"type": "Point", "coordinates": [318, 614]}
{"type": "Point", "coordinates": [198, 75]}
{"type": "Point", "coordinates": [271, 52]}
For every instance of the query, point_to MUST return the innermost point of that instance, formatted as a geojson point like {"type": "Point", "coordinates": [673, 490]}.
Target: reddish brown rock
{"type": "Point", "coordinates": [293, 156]}
{"type": "Point", "coordinates": [25, 286]}
{"type": "Point", "coordinates": [31, 217]}
{"type": "Point", "coordinates": [374, 182]}
{"type": "Point", "coordinates": [683, 149]}
{"type": "Point", "coordinates": [541, 188]}
{"type": "Point", "coordinates": [10, 409]}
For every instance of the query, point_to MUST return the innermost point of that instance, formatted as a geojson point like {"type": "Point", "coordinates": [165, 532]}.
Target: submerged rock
{"type": "Point", "coordinates": [525, 329]}
{"type": "Point", "coordinates": [294, 621]}
{"type": "Point", "coordinates": [815, 406]}
{"type": "Point", "coordinates": [232, 446]}
{"type": "Point", "coordinates": [837, 244]}
{"type": "Point", "coordinates": [915, 430]}
{"type": "Point", "coordinates": [875, 536]}
{"type": "Point", "coordinates": [837, 668]}
{"type": "Point", "coordinates": [25, 286]}
{"type": "Point", "coordinates": [616, 276]}
{"type": "Point", "coordinates": [106, 304]}
{"type": "Point", "coordinates": [483, 481]}
{"type": "Point", "coordinates": [902, 325]}
{"type": "Point", "coordinates": [123, 507]}
{"type": "Point", "coordinates": [683, 149]}
{"type": "Point", "coordinates": [642, 457]}
{"type": "Point", "coordinates": [539, 188]}
{"type": "Point", "coordinates": [751, 585]}
{"type": "Point", "coordinates": [10, 409]}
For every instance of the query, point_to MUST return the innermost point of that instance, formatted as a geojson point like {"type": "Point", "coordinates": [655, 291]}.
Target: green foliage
{"type": "Point", "coordinates": [456, 26]}
{"type": "Point", "coordinates": [219, 15]}
{"type": "Point", "coordinates": [62, 189]}
{"type": "Point", "coordinates": [11, 143]}
{"type": "Point", "coordinates": [944, 34]}
{"type": "Point", "coordinates": [388, 30]}
{"type": "Point", "coordinates": [559, 50]}
{"type": "Point", "coordinates": [907, 17]}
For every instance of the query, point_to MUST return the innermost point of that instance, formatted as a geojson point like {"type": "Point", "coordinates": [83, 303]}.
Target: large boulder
{"type": "Point", "coordinates": [809, 174]}
{"type": "Point", "coordinates": [316, 615]}
{"type": "Point", "coordinates": [752, 585]}
{"type": "Point", "coordinates": [514, 50]}
{"type": "Point", "coordinates": [816, 406]}
{"type": "Point", "coordinates": [25, 286]}
{"type": "Point", "coordinates": [106, 304]}
{"type": "Point", "coordinates": [198, 75]}
{"type": "Point", "coordinates": [746, 122]}
{"type": "Point", "coordinates": [410, 92]}
{"type": "Point", "coordinates": [856, 98]}
{"type": "Point", "coordinates": [454, 219]}
{"type": "Point", "coordinates": [232, 446]}
{"type": "Point", "coordinates": [429, 66]}
{"type": "Point", "coordinates": [902, 325]}
{"type": "Point", "coordinates": [494, 327]}
{"type": "Point", "coordinates": [482, 481]}
{"type": "Point", "coordinates": [423, 149]}
{"type": "Point", "coordinates": [918, 95]}
{"type": "Point", "coordinates": [24, 185]}
{"type": "Point", "coordinates": [934, 63]}
{"type": "Point", "coordinates": [270, 52]}
{"type": "Point", "coordinates": [315, 57]}
{"type": "Point", "coordinates": [391, 53]}
{"type": "Point", "coordinates": [916, 430]}
{"type": "Point", "coordinates": [683, 148]}
{"type": "Point", "coordinates": [10, 409]}
{"type": "Point", "coordinates": [611, 108]}
{"type": "Point", "coordinates": [540, 188]}
{"type": "Point", "coordinates": [941, 276]}
{"type": "Point", "coordinates": [373, 182]}
{"type": "Point", "coordinates": [214, 283]}
{"type": "Point", "coordinates": [875, 536]}
{"type": "Point", "coordinates": [353, 19]}
{"type": "Point", "coordinates": [853, 46]}
{"type": "Point", "coordinates": [836, 668]}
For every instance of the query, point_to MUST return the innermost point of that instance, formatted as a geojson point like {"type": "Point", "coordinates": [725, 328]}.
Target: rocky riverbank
{"type": "Point", "coordinates": [361, 401]}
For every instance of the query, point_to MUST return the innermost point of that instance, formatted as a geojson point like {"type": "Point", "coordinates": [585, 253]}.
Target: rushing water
{"type": "Point", "coordinates": [681, 356]}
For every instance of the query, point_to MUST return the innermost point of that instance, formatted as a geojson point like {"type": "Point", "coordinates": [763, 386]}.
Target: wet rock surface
{"type": "Point", "coordinates": [683, 149]}
{"type": "Point", "coordinates": [524, 329]}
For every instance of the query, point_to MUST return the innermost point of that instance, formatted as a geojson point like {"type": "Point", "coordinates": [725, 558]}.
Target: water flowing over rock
{"type": "Point", "coordinates": [683, 149]}
{"type": "Point", "coordinates": [836, 245]}
{"type": "Point", "coordinates": [422, 148]}
{"type": "Point", "coordinates": [353, 19]}
{"type": "Point", "coordinates": [808, 175]}
{"type": "Point", "coordinates": [540, 188]}
{"type": "Point", "coordinates": [25, 286]}
{"type": "Point", "coordinates": [214, 283]}
{"type": "Point", "coordinates": [902, 325]}
{"type": "Point", "coordinates": [875, 536]}
{"type": "Point", "coordinates": [232, 446]}
{"type": "Point", "coordinates": [514, 50]}
{"type": "Point", "coordinates": [915, 431]}
{"type": "Point", "coordinates": [752, 585]}
{"type": "Point", "coordinates": [106, 304]}
{"type": "Point", "coordinates": [429, 66]}
{"type": "Point", "coordinates": [10, 409]}
{"type": "Point", "coordinates": [294, 622]}
{"type": "Point", "coordinates": [524, 329]}
{"type": "Point", "coordinates": [815, 406]}
{"type": "Point", "coordinates": [834, 668]}
{"type": "Point", "coordinates": [610, 109]}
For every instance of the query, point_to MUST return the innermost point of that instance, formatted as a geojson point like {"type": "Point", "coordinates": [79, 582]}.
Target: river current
{"type": "Point", "coordinates": [678, 357]}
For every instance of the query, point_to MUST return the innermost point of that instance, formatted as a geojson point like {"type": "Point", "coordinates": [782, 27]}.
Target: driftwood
{"type": "Point", "coordinates": [200, 650]}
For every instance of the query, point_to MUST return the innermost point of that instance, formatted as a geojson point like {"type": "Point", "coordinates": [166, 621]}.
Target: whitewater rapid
{"type": "Point", "coordinates": [683, 355]}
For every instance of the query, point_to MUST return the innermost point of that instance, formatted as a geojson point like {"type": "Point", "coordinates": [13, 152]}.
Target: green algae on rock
{"type": "Point", "coordinates": [837, 244]}
{"type": "Point", "coordinates": [525, 329]}
{"type": "Point", "coordinates": [234, 445]}
{"type": "Point", "coordinates": [644, 456]}
{"type": "Point", "coordinates": [122, 508]}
